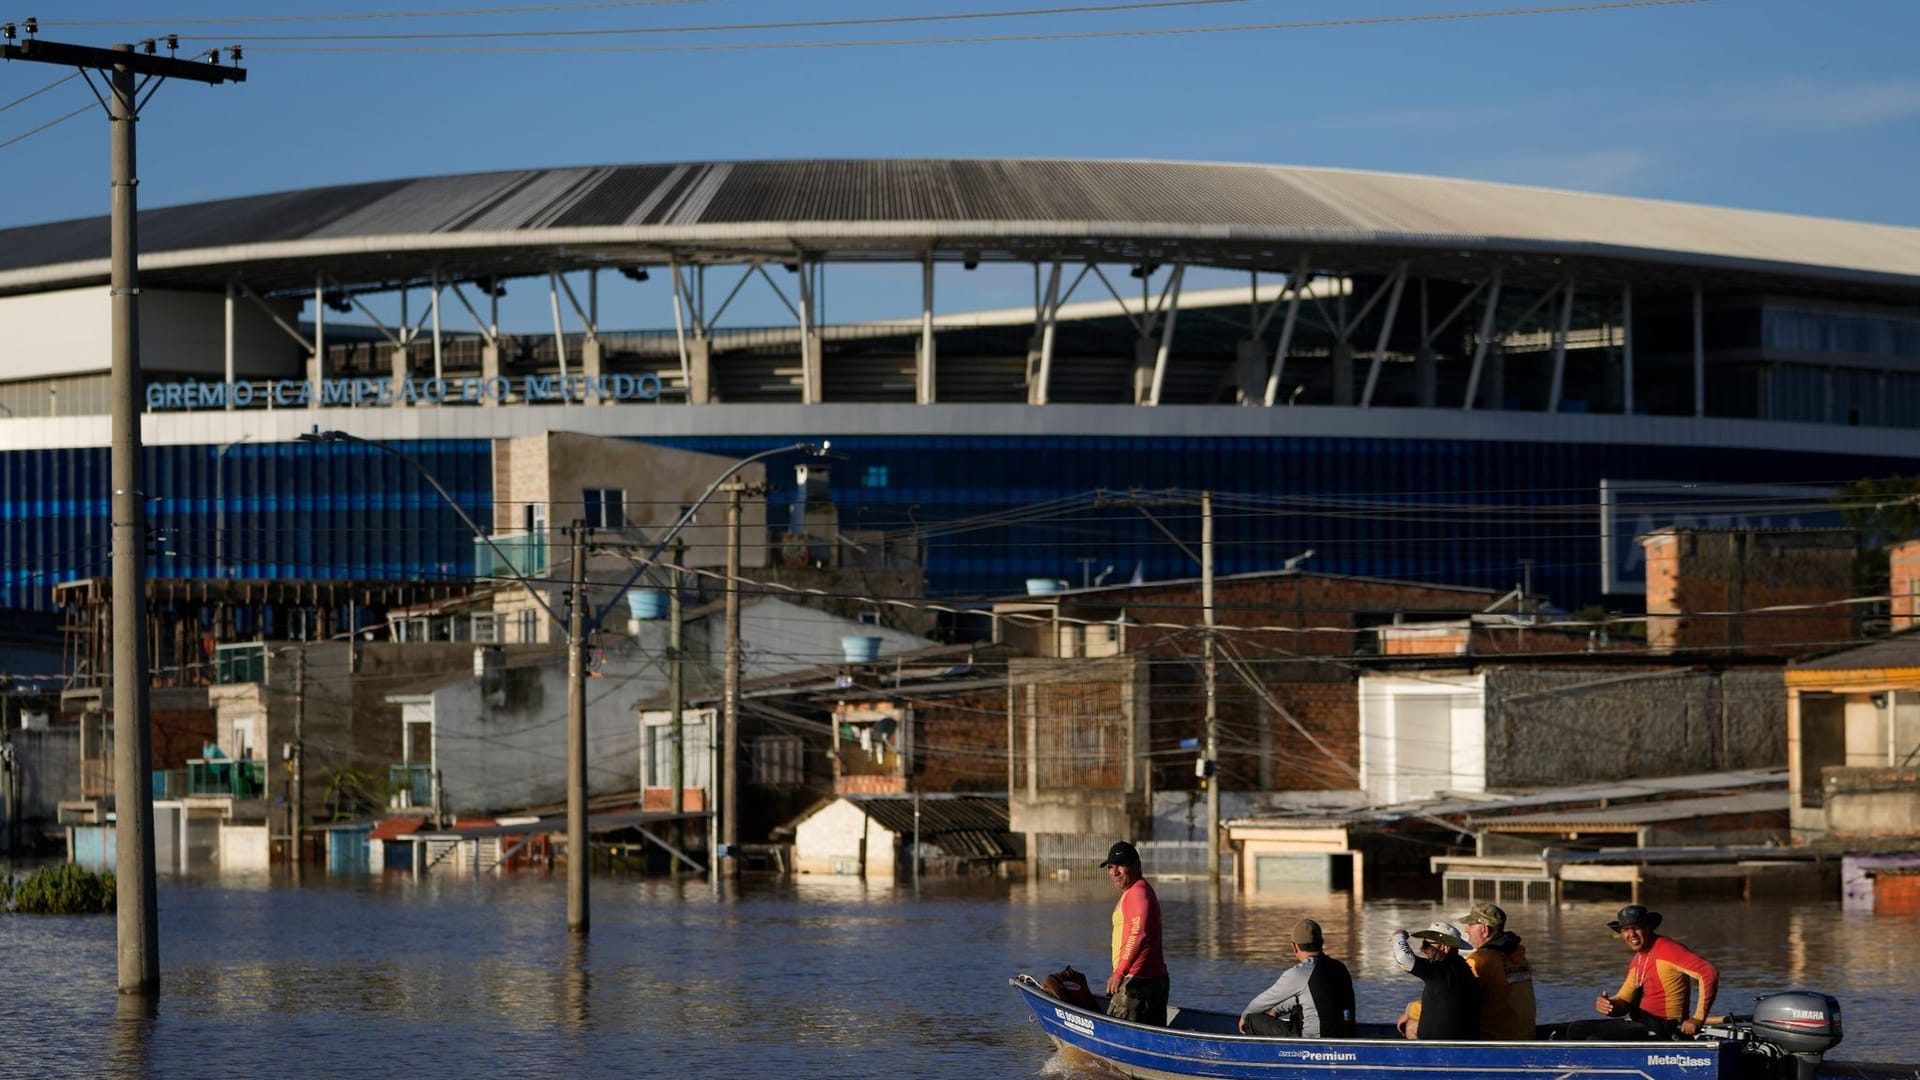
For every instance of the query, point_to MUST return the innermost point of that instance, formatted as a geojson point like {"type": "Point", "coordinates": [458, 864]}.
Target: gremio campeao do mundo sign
{"type": "Point", "coordinates": [300, 393]}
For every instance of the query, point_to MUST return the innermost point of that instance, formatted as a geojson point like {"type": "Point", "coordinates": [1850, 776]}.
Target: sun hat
{"type": "Point", "coordinates": [1444, 933]}
{"type": "Point", "coordinates": [1635, 915]}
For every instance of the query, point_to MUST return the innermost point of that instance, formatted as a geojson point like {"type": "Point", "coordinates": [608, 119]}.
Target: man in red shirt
{"type": "Point", "coordinates": [1138, 985]}
{"type": "Point", "coordinates": [1652, 1002]}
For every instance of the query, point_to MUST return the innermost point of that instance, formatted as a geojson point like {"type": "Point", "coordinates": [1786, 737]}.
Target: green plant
{"type": "Point", "coordinates": [62, 890]}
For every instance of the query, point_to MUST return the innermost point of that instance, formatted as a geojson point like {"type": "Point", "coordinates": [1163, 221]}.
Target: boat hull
{"type": "Point", "coordinates": [1204, 1044]}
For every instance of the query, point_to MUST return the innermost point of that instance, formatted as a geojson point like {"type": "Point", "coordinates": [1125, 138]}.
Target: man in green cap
{"type": "Point", "coordinates": [1499, 962]}
{"type": "Point", "coordinates": [1312, 999]}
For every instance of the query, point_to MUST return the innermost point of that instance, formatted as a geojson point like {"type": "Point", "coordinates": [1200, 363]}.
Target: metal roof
{"type": "Point", "coordinates": [1637, 814]}
{"type": "Point", "coordinates": [1259, 216]}
{"type": "Point", "coordinates": [1900, 650]}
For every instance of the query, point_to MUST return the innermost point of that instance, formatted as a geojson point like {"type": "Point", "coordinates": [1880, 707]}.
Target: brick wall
{"type": "Point", "coordinates": [1741, 572]}
{"type": "Point", "coordinates": [1903, 582]}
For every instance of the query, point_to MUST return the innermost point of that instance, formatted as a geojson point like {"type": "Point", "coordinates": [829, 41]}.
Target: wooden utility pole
{"type": "Point", "coordinates": [136, 910]}
{"type": "Point", "coordinates": [1209, 667]}
{"type": "Point", "coordinates": [577, 853]}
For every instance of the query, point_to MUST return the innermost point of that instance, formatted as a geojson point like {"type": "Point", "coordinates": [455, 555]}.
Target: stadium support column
{"type": "Point", "coordinates": [924, 383]}
{"type": "Point", "coordinates": [402, 370]}
{"type": "Point", "coordinates": [1249, 372]}
{"type": "Point", "coordinates": [730, 693]}
{"type": "Point", "coordinates": [317, 362]}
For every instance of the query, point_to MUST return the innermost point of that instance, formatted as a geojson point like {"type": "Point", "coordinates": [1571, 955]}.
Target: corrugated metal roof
{"type": "Point", "coordinates": [1017, 208]}
{"type": "Point", "coordinates": [972, 826]}
{"type": "Point", "coordinates": [1899, 651]}
{"type": "Point", "coordinates": [1649, 813]}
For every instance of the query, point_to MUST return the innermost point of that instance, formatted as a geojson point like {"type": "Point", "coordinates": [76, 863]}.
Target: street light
{"type": "Point", "coordinates": [579, 631]}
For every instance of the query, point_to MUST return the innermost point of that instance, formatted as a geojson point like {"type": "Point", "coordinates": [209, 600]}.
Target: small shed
{"type": "Point", "coordinates": [872, 836]}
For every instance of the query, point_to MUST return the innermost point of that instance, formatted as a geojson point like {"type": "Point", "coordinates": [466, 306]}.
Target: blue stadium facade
{"type": "Point", "coordinates": [1421, 379]}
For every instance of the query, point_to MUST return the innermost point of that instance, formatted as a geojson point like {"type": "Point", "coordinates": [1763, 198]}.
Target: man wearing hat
{"type": "Point", "coordinates": [1138, 985]}
{"type": "Point", "coordinates": [1652, 1002]}
{"type": "Point", "coordinates": [1499, 962]}
{"type": "Point", "coordinates": [1449, 995]}
{"type": "Point", "coordinates": [1312, 999]}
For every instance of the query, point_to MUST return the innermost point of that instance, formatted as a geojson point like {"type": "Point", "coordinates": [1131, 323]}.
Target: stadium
{"type": "Point", "coordinates": [1409, 377]}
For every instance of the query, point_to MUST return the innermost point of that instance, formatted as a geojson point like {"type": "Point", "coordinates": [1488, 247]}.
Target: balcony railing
{"type": "Point", "coordinates": [225, 777]}
{"type": "Point", "coordinates": [414, 782]}
{"type": "Point", "coordinates": [525, 555]}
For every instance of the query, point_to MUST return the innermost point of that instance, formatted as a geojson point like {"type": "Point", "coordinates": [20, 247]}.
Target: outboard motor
{"type": "Point", "coordinates": [1788, 1033]}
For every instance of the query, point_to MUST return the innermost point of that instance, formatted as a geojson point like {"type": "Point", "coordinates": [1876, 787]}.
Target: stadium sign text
{"type": "Point", "coordinates": [300, 393]}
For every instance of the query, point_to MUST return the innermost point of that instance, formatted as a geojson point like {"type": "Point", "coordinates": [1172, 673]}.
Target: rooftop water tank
{"type": "Point", "coordinates": [860, 648]}
{"type": "Point", "coordinates": [647, 603]}
{"type": "Point", "coordinates": [1044, 586]}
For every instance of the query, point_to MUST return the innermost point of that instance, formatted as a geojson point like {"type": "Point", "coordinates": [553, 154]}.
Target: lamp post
{"type": "Point", "coordinates": [579, 627]}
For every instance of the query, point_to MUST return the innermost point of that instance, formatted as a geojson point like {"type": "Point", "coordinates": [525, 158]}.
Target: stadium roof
{"type": "Point", "coordinates": [1242, 216]}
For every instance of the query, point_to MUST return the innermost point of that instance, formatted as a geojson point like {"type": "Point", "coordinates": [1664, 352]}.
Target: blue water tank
{"type": "Point", "coordinates": [860, 648]}
{"type": "Point", "coordinates": [647, 603]}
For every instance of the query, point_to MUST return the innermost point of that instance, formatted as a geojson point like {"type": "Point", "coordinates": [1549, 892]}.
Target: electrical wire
{"type": "Point", "coordinates": [800, 24]}
{"type": "Point", "coordinates": [56, 120]}
{"type": "Point", "coordinates": [444, 13]}
{"type": "Point", "coordinates": [29, 97]}
{"type": "Point", "coordinates": [995, 39]}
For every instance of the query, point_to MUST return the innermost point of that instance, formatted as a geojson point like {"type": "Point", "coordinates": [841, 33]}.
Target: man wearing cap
{"type": "Point", "coordinates": [1449, 995]}
{"type": "Point", "coordinates": [1652, 1002]}
{"type": "Point", "coordinates": [1312, 999]}
{"type": "Point", "coordinates": [1499, 962]}
{"type": "Point", "coordinates": [1138, 985]}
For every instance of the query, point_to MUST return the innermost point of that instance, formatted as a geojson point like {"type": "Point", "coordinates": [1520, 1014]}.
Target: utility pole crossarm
{"type": "Point", "coordinates": [88, 56]}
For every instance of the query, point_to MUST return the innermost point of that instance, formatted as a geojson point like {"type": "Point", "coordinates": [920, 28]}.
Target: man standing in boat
{"type": "Point", "coordinates": [1499, 961]}
{"type": "Point", "coordinates": [1450, 995]}
{"type": "Point", "coordinates": [1652, 1002]}
{"type": "Point", "coordinates": [1138, 985]}
{"type": "Point", "coordinates": [1312, 999]}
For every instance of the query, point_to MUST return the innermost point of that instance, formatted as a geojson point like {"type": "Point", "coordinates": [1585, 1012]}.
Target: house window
{"type": "Point", "coordinates": [656, 748]}
{"type": "Point", "coordinates": [778, 761]}
{"type": "Point", "coordinates": [604, 508]}
{"type": "Point", "coordinates": [529, 626]}
{"type": "Point", "coordinates": [533, 517]}
{"type": "Point", "coordinates": [870, 618]}
{"type": "Point", "coordinates": [486, 628]}
{"type": "Point", "coordinates": [876, 476]}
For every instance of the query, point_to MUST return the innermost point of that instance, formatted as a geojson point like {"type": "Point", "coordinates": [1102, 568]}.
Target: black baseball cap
{"type": "Point", "coordinates": [1121, 854]}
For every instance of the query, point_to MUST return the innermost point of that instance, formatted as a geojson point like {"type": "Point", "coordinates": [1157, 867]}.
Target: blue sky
{"type": "Point", "coordinates": [1789, 105]}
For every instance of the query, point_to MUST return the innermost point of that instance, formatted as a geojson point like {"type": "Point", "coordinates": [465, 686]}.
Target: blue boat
{"type": "Point", "coordinates": [1784, 1040]}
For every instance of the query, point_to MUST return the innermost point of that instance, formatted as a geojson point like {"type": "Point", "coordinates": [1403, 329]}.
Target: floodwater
{"type": "Point", "coordinates": [814, 978]}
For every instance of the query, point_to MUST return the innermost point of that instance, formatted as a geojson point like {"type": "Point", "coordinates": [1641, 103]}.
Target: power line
{"type": "Point", "coordinates": [522, 9]}
{"type": "Point", "coordinates": [1065, 35]}
{"type": "Point", "coordinates": [796, 24]}
{"type": "Point", "coordinates": [29, 97]}
{"type": "Point", "coordinates": [45, 126]}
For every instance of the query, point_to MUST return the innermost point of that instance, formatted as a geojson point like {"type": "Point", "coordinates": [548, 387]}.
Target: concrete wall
{"type": "Point", "coordinates": [829, 843]}
{"type": "Point", "coordinates": [1871, 802]}
{"type": "Point", "coordinates": [1574, 725]}
{"type": "Point", "coordinates": [66, 333]}
{"type": "Point", "coordinates": [47, 769]}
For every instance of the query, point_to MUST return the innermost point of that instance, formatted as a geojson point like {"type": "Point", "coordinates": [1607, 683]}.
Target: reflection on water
{"type": "Point", "coordinates": [809, 979]}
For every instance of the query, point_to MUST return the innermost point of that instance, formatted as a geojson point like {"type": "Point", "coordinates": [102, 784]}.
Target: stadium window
{"type": "Point", "coordinates": [604, 508]}
{"type": "Point", "coordinates": [876, 476]}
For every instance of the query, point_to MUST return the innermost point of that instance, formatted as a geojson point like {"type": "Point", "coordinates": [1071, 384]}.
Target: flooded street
{"type": "Point", "coordinates": [819, 978]}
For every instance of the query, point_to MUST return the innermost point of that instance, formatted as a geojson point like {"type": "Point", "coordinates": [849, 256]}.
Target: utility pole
{"type": "Point", "coordinates": [137, 912]}
{"type": "Point", "coordinates": [730, 692]}
{"type": "Point", "coordinates": [577, 855]}
{"type": "Point", "coordinates": [1213, 712]}
{"type": "Point", "coordinates": [300, 764]}
{"type": "Point", "coordinates": [677, 700]}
